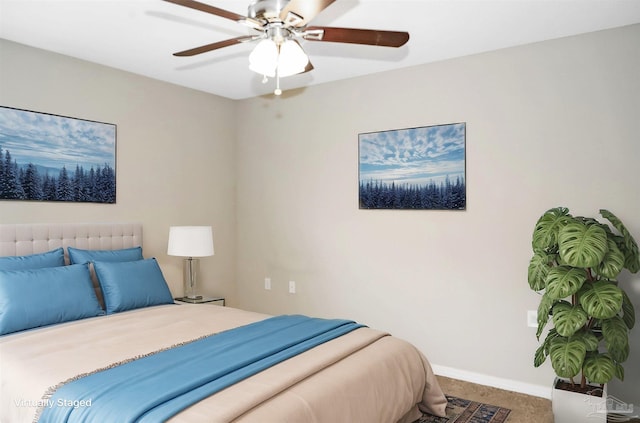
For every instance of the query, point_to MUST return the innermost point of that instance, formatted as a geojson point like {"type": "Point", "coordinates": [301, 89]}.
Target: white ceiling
{"type": "Point", "coordinates": [140, 36]}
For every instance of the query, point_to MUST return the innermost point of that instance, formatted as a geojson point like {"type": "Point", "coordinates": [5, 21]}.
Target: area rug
{"type": "Point", "coordinates": [464, 411]}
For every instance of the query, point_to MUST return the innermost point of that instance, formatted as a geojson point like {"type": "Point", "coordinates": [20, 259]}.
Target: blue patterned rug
{"type": "Point", "coordinates": [464, 411]}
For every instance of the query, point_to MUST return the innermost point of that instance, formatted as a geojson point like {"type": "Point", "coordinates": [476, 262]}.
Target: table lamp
{"type": "Point", "coordinates": [190, 242]}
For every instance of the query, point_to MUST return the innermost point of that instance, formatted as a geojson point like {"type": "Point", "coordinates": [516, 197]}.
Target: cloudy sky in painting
{"type": "Point", "coordinates": [413, 156]}
{"type": "Point", "coordinates": [53, 141]}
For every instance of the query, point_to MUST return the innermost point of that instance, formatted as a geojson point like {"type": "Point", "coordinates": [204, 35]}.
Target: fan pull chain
{"type": "Point", "coordinates": [277, 91]}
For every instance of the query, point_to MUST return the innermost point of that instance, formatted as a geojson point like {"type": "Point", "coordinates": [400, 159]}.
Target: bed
{"type": "Point", "coordinates": [361, 375]}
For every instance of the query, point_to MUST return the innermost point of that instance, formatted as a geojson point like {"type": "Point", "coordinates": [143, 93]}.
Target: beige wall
{"type": "Point", "coordinates": [175, 154]}
{"type": "Point", "coordinates": [554, 123]}
{"type": "Point", "coordinates": [453, 283]}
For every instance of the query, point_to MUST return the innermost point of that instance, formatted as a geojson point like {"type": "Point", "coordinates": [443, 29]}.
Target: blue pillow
{"type": "Point", "coordinates": [132, 284]}
{"type": "Point", "coordinates": [41, 297]}
{"type": "Point", "coordinates": [51, 258]}
{"type": "Point", "coordinates": [78, 256]}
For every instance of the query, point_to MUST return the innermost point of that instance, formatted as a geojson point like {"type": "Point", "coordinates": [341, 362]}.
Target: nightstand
{"type": "Point", "coordinates": [202, 300]}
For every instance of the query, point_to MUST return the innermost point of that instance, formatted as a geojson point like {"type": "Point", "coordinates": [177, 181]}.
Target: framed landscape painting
{"type": "Point", "coordinates": [416, 168]}
{"type": "Point", "coordinates": [46, 157]}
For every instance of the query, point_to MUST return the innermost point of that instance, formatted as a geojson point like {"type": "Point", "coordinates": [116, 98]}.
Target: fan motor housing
{"type": "Point", "coordinates": [268, 10]}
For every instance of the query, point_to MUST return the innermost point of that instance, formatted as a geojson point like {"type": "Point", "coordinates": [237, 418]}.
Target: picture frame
{"type": "Point", "coordinates": [48, 157]}
{"type": "Point", "coordinates": [421, 168]}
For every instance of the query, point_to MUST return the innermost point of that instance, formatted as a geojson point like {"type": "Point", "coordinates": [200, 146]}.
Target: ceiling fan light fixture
{"type": "Point", "coordinates": [280, 23]}
{"type": "Point", "coordinates": [264, 58]}
{"type": "Point", "coordinates": [269, 59]}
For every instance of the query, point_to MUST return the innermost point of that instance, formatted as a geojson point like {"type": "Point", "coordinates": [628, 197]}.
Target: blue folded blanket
{"type": "Point", "coordinates": [159, 386]}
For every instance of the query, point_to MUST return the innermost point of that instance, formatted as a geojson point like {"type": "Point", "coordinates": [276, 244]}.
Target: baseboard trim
{"type": "Point", "coordinates": [496, 382]}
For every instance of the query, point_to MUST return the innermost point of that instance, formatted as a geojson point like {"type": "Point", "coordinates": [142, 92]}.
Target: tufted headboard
{"type": "Point", "coordinates": [24, 239]}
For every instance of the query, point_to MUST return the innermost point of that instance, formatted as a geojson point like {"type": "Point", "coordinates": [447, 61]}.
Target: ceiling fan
{"type": "Point", "coordinates": [280, 24]}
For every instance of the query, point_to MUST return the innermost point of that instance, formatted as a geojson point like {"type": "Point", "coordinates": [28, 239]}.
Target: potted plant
{"type": "Point", "coordinates": [575, 266]}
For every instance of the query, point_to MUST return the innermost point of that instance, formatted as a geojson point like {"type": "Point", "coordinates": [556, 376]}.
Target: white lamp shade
{"type": "Point", "coordinates": [190, 241]}
{"type": "Point", "coordinates": [292, 59]}
{"type": "Point", "coordinates": [264, 58]}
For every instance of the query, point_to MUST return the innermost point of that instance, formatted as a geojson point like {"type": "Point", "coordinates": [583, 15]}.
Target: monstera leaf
{"type": "Point", "coordinates": [582, 245]}
{"type": "Point", "coordinates": [629, 313]}
{"type": "Point", "coordinates": [631, 253]}
{"type": "Point", "coordinates": [601, 299]}
{"type": "Point", "coordinates": [544, 308]}
{"type": "Point", "coordinates": [543, 351]}
{"type": "Point", "coordinates": [616, 338]}
{"type": "Point", "coordinates": [539, 267]}
{"type": "Point", "coordinates": [539, 357]}
{"type": "Point", "coordinates": [612, 263]}
{"type": "Point", "coordinates": [568, 319]}
{"type": "Point", "coordinates": [563, 281]}
{"type": "Point", "coordinates": [588, 338]}
{"type": "Point", "coordinates": [545, 234]}
{"type": "Point", "coordinates": [567, 356]}
{"type": "Point", "coordinates": [599, 368]}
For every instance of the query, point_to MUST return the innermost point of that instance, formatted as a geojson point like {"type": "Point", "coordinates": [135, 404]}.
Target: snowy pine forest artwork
{"type": "Point", "coordinates": [46, 157]}
{"type": "Point", "coordinates": [416, 168]}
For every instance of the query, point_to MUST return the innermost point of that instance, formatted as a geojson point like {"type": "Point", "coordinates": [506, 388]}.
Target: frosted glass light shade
{"type": "Point", "coordinates": [264, 58]}
{"type": "Point", "coordinates": [190, 241]}
{"type": "Point", "coordinates": [292, 59]}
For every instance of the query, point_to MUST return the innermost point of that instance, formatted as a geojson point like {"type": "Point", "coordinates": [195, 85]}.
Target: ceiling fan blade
{"type": "Point", "coordinates": [217, 45]}
{"type": "Point", "coordinates": [300, 12]}
{"type": "Point", "coordinates": [192, 4]}
{"type": "Point", "coordinates": [356, 36]}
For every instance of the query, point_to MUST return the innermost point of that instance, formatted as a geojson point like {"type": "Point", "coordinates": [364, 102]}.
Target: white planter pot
{"type": "Point", "coordinates": [572, 407]}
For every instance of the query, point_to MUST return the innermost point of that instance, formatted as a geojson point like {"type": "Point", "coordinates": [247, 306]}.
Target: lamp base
{"type": "Point", "coordinates": [195, 297]}
{"type": "Point", "coordinates": [191, 271]}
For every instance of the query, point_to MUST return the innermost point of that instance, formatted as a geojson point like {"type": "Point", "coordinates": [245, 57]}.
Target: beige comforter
{"type": "Point", "coordinates": [364, 376]}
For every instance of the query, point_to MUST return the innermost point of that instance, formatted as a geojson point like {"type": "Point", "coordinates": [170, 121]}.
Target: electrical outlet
{"type": "Point", "coordinates": [267, 283]}
{"type": "Point", "coordinates": [532, 318]}
{"type": "Point", "coordinates": [292, 287]}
